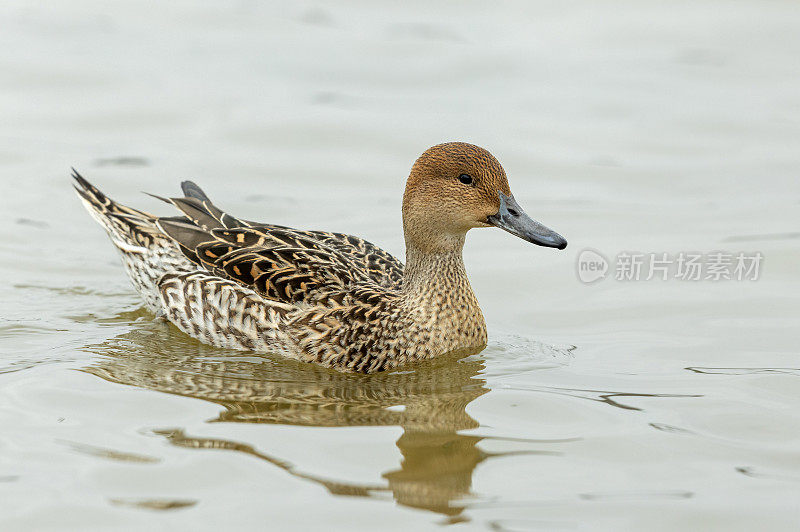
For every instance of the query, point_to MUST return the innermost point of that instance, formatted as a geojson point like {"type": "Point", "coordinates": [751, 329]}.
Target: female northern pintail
{"type": "Point", "coordinates": [315, 296]}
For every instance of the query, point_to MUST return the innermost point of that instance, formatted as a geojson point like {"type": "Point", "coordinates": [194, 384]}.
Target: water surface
{"type": "Point", "coordinates": [624, 126]}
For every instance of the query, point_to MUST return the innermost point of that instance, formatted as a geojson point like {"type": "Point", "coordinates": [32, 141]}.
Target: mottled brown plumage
{"type": "Point", "coordinates": [322, 297]}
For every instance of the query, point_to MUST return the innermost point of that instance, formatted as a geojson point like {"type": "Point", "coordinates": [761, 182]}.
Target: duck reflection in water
{"type": "Point", "coordinates": [438, 462]}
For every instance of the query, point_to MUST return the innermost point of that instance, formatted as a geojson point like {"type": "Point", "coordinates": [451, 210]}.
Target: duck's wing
{"type": "Point", "coordinates": [380, 266]}
{"type": "Point", "coordinates": [279, 263]}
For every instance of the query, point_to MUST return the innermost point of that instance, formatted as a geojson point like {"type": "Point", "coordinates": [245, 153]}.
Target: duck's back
{"type": "Point", "coordinates": [280, 263]}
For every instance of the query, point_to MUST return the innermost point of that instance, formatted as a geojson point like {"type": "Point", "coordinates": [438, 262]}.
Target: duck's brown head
{"type": "Point", "coordinates": [456, 186]}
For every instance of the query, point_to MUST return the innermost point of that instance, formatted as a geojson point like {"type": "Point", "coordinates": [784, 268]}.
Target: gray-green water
{"type": "Point", "coordinates": [625, 126]}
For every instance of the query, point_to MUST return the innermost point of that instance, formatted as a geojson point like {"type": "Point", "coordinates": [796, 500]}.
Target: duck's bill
{"type": "Point", "coordinates": [513, 219]}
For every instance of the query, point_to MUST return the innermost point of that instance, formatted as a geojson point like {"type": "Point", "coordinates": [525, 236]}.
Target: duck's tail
{"type": "Point", "coordinates": [130, 229]}
{"type": "Point", "coordinates": [147, 253]}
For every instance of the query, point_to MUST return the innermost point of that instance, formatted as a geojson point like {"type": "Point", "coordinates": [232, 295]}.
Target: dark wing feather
{"type": "Point", "coordinates": [278, 262]}
{"type": "Point", "coordinates": [279, 265]}
{"type": "Point", "coordinates": [205, 214]}
{"type": "Point", "coordinates": [383, 268]}
{"type": "Point", "coordinates": [191, 190]}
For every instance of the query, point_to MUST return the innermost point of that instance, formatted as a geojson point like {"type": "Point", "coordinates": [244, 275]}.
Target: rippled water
{"type": "Point", "coordinates": [626, 126]}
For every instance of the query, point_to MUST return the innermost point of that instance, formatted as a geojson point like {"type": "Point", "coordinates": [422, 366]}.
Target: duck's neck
{"type": "Point", "coordinates": [433, 271]}
{"type": "Point", "coordinates": [435, 286]}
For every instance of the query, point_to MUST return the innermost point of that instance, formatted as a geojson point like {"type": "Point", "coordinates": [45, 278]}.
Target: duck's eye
{"type": "Point", "coordinates": [465, 178]}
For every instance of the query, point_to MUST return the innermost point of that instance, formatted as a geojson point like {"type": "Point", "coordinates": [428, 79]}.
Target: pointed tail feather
{"type": "Point", "coordinates": [147, 253]}
{"type": "Point", "coordinates": [126, 226]}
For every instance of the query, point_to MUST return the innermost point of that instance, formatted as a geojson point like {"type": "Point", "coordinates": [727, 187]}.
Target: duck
{"type": "Point", "coordinates": [322, 297]}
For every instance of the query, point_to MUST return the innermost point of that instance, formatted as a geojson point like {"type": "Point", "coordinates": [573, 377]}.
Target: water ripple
{"type": "Point", "coordinates": [742, 371]}
{"type": "Point", "coordinates": [602, 396]}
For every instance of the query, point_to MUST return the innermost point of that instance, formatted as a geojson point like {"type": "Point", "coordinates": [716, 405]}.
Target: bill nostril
{"type": "Point", "coordinates": [512, 212]}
